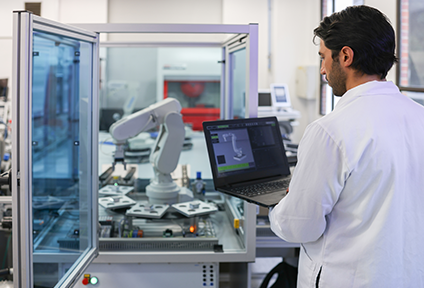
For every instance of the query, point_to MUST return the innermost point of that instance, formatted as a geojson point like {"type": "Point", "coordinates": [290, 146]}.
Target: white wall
{"type": "Point", "coordinates": [294, 22]}
{"type": "Point", "coordinates": [292, 26]}
{"type": "Point", "coordinates": [388, 7]}
{"type": "Point", "coordinates": [165, 11]}
{"type": "Point", "coordinates": [66, 11]}
{"type": "Point", "coordinates": [6, 23]}
{"type": "Point", "coordinates": [83, 11]}
{"type": "Point", "coordinates": [246, 12]}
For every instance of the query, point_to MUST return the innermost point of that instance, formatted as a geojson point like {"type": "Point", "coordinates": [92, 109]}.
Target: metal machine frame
{"type": "Point", "coordinates": [246, 37]}
{"type": "Point", "coordinates": [24, 25]}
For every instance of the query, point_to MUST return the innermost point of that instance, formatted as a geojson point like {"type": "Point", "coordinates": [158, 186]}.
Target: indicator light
{"type": "Point", "coordinates": [236, 223]}
{"type": "Point", "coordinates": [94, 280]}
{"type": "Point", "coordinates": [86, 279]}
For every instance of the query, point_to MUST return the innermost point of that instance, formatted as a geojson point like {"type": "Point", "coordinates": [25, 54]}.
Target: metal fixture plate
{"type": "Point", "coordinates": [110, 190]}
{"type": "Point", "coordinates": [146, 210]}
{"type": "Point", "coordinates": [195, 208]}
{"type": "Point", "coordinates": [115, 202]}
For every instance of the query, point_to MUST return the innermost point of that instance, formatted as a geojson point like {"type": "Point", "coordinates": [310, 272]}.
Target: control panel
{"type": "Point", "coordinates": [152, 275]}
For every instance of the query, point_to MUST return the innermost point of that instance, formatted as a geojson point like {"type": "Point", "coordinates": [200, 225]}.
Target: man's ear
{"type": "Point", "coordinates": [346, 56]}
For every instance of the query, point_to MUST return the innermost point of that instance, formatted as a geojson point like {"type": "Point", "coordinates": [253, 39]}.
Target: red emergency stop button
{"type": "Point", "coordinates": [86, 279]}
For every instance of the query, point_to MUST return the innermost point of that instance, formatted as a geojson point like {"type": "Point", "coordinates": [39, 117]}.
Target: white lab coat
{"type": "Point", "coordinates": [356, 200]}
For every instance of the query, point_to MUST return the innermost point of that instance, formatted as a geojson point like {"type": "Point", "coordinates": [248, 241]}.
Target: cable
{"type": "Point", "coordinates": [5, 128]}
{"type": "Point", "coordinates": [181, 226]}
{"type": "Point", "coordinates": [5, 272]}
{"type": "Point", "coordinates": [101, 145]}
{"type": "Point", "coordinates": [119, 227]}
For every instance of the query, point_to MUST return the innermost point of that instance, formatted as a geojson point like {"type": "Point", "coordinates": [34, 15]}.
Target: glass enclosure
{"type": "Point", "coordinates": [238, 83]}
{"type": "Point", "coordinates": [192, 75]}
{"type": "Point", "coordinates": [135, 75]}
{"type": "Point", "coordinates": [54, 106]}
{"type": "Point", "coordinates": [74, 201]}
{"type": "Point", "coordinates": [62, 69]}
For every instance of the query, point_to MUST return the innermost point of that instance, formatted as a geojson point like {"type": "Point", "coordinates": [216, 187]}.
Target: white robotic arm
{"type": "Point", "coordinates": [132, 125]}
{"type": "Point", "coordinates": [143, 120]}
{"type": "Point", "coordinates": [239, 151]}
{"type": "Point", "coordinates": [166, 150]}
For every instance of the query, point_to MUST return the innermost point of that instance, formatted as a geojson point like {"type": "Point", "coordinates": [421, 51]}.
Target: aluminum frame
{"type": "Point", "coordinates": [165, 28]}
{"type": "Point", "coordinates": [248, 34]}
{"type": "Point", "coordinates": [250, 209]}
{"type": "Point", "coordinates": [24, 25]}
{"type": "Point", "coordinates": [250, 43]}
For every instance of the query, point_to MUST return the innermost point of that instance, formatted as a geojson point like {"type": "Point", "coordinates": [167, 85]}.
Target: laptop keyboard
{"type": "Point", "coordinates": [261, 188]}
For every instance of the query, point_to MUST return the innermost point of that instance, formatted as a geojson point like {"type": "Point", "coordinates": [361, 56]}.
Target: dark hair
{"type": "Point", "coordinates": [367, 32]}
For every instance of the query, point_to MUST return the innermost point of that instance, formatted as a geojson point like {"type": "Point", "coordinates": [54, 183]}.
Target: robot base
{"type": "Point", "coordinates": [167, 193]}
{"type": "Point", "coordinates": [162, 193]}
{"type": "Point", "coordinates": [239, 158]}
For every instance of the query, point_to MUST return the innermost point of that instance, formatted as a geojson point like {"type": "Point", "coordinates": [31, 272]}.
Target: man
{"type": "Point", "coordinates": [356, 199]}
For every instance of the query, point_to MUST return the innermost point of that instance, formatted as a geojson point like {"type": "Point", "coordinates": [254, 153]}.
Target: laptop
{"type": "Point", "coordinates": [248, 159]}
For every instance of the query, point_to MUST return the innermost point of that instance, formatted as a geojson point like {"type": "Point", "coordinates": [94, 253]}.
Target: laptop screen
{"type": "Point", "coordinates": [245, 149]}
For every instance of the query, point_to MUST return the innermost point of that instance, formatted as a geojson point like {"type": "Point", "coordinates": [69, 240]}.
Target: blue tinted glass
{"type": "Point", "coordinates": [61, 147]}
{"type": "Point", "coordinates": [238, 83]}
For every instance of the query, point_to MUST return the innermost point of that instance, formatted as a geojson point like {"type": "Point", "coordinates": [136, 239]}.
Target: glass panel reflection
{"type": "Point", "coordinates": [132, 79]}
{"type": "Point", "coordinates": [238, 88]}
{"type": "Point", "coordinates": [189, 74]}
{"type": "Point", "coordinates": [61, 147]}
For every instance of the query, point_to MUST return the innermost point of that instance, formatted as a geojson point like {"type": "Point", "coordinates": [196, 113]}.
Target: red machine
{"type": "Point", "coordinates": [190, 92]}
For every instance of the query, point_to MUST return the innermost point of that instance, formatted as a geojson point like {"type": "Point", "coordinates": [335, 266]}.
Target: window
{"type": "Point", "coordinates": [410, 49]}
{"type": "Point", "coordinates": [327, 100]}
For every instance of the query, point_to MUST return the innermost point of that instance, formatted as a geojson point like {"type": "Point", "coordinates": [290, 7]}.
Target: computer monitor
{"type": "Point", "coordinates": [280, 96]}
{"type": "Point", "coordinates": [108, 116]}
{"type": "Point", "coordinates": [3, 87]}
{"type": "Point", "coordinates": [264, 100]}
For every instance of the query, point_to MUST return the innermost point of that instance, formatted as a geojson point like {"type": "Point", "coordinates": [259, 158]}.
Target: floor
{"type": "Point", "coordinates": [259, 269]}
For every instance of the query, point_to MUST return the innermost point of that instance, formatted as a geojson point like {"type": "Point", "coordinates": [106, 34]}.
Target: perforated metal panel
{"type": "Point", "coordinates": [158, 244]}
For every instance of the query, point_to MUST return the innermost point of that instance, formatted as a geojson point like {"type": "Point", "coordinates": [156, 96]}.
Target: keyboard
{"type": "Point", "coordinates": [261, 188]}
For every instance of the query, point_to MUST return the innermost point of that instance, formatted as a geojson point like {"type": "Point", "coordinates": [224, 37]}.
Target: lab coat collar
{"type": "Point", "coordinates": [368, 89]}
